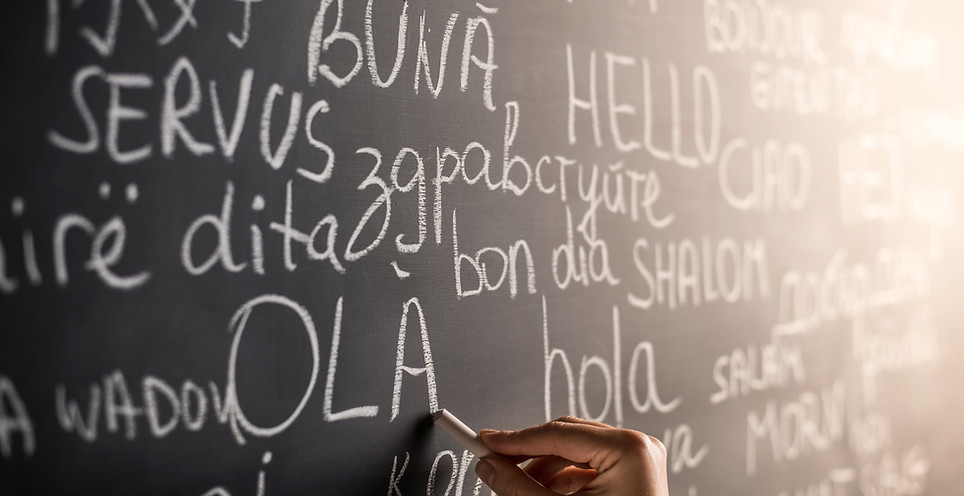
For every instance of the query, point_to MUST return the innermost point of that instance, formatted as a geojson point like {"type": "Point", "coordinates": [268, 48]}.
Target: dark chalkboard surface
{"type": "Point", "coordinates": [247, 246]}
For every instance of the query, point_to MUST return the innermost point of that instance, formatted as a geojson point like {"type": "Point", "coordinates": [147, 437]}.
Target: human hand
{"type": "Point", "coordinates": [574, 456]}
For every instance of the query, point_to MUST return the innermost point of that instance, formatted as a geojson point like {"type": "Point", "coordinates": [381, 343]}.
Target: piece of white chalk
{"type": "Point", "coordinates": [461, 433]}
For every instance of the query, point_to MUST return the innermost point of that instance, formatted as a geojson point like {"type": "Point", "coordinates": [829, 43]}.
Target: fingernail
{"type": "Point", "coordinates": [485, 471]}
{"type": "Point", "coordinates": [487, 432]}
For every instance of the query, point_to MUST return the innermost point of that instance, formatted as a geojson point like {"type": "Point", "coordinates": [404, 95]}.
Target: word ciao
{"type": "Point", "coordinates": [779, 176]}
{"type": "Point", "coordinates": [110, 403]}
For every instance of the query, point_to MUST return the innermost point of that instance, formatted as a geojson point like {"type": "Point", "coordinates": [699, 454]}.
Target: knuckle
{"type": "Point", "coordinates": [640, 444]}
{"type": "Point", "coordinates": [633, 440]}
{"type": "Point", "coordinates": [561, 425]}
{"type": "Point", "coordinates": [657, 447]}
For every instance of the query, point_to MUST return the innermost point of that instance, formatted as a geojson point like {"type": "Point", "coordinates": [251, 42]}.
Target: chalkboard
{"type": "Point", "coordinates": [246, 247]}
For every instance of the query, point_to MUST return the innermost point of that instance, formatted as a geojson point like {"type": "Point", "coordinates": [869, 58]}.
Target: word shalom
{"type": "Point", "coordinates": [691, 273]}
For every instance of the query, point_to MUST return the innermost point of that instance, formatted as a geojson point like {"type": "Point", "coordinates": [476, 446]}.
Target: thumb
{"type": "Point", "coordinates": [506, 479]}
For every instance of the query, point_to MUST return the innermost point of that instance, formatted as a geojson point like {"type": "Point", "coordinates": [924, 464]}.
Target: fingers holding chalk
{"type": "Point", "coordinates": [461, 433]}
